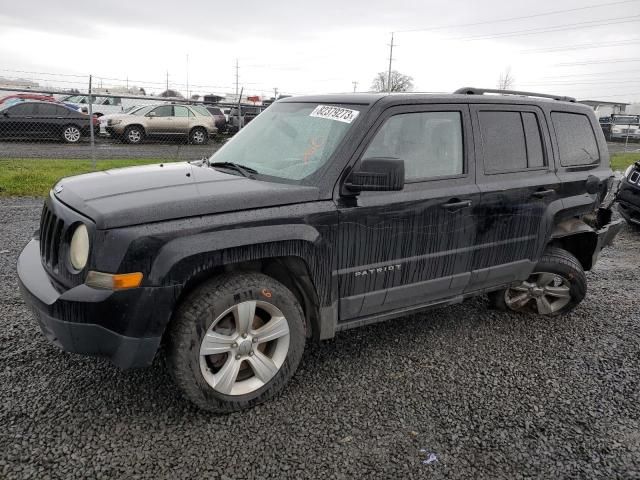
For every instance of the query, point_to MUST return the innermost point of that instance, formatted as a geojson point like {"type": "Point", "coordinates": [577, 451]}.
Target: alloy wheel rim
{"type": "Point", "coordinates": [134, 135]}
{"type": "Point", "coordinates": [244, 348]}
{"type": "Point", "coordinates": [198, 137]}
{"type": "Point", "coordinates": [72, 134]}
{"type": "Point", "coordinates": [543, 293]}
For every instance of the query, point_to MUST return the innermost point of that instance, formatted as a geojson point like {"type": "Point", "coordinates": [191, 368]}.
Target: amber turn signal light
{"type": "Point", "coordinates": [118, 281]}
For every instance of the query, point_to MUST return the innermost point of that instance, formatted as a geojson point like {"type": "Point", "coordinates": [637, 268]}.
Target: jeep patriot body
{"type": "Point", "coordinates": [324, 213]}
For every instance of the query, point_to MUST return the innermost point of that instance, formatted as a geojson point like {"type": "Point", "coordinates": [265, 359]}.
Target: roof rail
{"type": "Point", "coordinates": [481, 91]}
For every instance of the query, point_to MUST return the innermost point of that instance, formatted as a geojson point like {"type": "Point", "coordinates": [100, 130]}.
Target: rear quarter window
{"type": "Point", "coordinates": [576, 139]}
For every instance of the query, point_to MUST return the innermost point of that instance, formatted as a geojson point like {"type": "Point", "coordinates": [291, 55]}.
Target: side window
{"type": "Point", "coordinates": [179, 111]}
{"type": "Point", "coordinates": [511, 141]}
{"type": "Point", "coordinates": [62, 112]}
{"type": "Point", "coordinates": [23, 109]}
{"type": "Point", "coordinates": [47, 110]}
{"type": "Point", "coordinates": [430, 143]}
{"type": "Point", "coordinates": [576, 139]}
{"type": "Point", "coordinates": [163, 111]}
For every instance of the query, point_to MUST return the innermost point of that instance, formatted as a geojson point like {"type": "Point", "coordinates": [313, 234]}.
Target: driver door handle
{"type": "Point", "coordinates": [455, 204]}
{"type": "Point", "coordinates": [543, 193]}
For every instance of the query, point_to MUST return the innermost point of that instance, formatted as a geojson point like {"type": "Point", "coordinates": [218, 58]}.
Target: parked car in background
{"type": "Point", "coordinates": [624, 126]}
{"type": "Point", "coordinates": [628, 196]}
{"type": "Point", "coordinates": [163, 121]}
{"type": "Point", "coordinates": [100, 106]}
{"type": "Point", "coordinates": [19, 97]}
{"type": "Point", "coordinates": [133, 110]}
{"type": "Point", "coordinates": [605, 125]}
{"type": "Point", "coordinates": [44, 120]}
{"type": "Point", "coordinates": [218, 116]}
{"type": "Point", "coordinates": [247, 114]}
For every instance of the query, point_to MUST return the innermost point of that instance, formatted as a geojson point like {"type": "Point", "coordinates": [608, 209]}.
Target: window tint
{"type": "Point", "coordinates": [179, 111]}
{"type": "Point", "coordinates": [47, 110]}
{"type": "Point", "coordinates": [503, 141]}
{"type": "Point", "coordinates": [535, 153]}
{"type": "Point", "coordinates": [430, 143]}
{"type": "Point", "coordinates": [23, 109]}
{"type": "Point", "coordinates": [576, 140]}
{"type": "Point", "coordinates": [164, 111]}
{"type": "Point", "coordinates": [201, 110]}
{"type": "Point", "coordinates": [511, 141]}
{"type": "Point", "coordinates": [214, 111]}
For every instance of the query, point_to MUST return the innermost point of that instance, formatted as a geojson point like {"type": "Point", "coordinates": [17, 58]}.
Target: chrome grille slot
{"type": "Point", "coordinates": [634, 177]}
{"type": "Point", "coordinates": [51, 231]}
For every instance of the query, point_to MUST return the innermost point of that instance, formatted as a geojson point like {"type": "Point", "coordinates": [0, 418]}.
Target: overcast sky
{"type": "Point", "coordinates": [323, 46]}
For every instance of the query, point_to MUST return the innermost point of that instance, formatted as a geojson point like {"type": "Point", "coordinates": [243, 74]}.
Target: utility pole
{"type": "Point", "coordinates": [188, 97]}
{"type": "Point", "coordinates": [355, 86]}
{"type": "Point", "coordinates": [237, 76]}
{"type": "Point", "coordinates": [390, 60]}
{"type": "Point", "coordinates": [275, 93]}
{"type": "Point", "coordinates": [167, 80]}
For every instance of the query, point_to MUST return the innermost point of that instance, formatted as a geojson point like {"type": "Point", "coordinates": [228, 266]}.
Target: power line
{"type": "Point", "coordinates": [524, 17]}
{"type": "Point", "coordinates": [582, 46]}
{"type": "Point", "coordinates": [607, 73]}
{"type": "Point", "coordinates": [597, 62]}
{"type": "Point", "coordinates": [555, 28]}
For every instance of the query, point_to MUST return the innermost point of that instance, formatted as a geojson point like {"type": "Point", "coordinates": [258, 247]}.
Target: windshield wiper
{"type": "Point", "coordinates": [244, 170]}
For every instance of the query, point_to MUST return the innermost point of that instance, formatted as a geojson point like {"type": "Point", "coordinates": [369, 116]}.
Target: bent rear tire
{"type": "Point", "coordinates": [71, 134]}
{"type": "Point", "coordinates": [199, 136]}
{"type": "Point", "coordinates": [556, 286]}
{"type": "Point", "coordinates": [235, 342]}
{"type": "Point", "coordinates": [133, 134]}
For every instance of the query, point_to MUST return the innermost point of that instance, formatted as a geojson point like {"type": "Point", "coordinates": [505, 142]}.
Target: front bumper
{"type": "Point", "coordinates": [605, 237]}
{"type": "Point", "coordinates": [124, 326]}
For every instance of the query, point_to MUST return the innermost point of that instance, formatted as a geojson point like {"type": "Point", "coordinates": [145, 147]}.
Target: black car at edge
{"type": "Point", "coordinates": [45, 120]}
{"type": "Point", "coordinates": [324, 213]}
{"type": "Point", "coordinates": [628, 196]}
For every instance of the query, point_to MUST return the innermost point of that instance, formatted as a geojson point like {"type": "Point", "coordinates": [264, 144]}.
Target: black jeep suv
{"type": "Point", "coordinates": [628, 196]}
{"type": "Point", "coordinates": [323, 214]}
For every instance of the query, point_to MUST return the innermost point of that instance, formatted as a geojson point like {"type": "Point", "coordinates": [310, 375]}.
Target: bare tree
{"type": "Point", "coordinates": [506, 80]}
{"type": "Point", "coordinates": [399, 82]}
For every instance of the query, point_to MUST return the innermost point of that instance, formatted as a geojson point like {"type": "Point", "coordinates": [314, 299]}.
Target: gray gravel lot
{"type": "Point", "coordinates": [493, 395]}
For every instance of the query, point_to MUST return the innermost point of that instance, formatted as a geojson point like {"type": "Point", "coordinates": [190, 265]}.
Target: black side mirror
{"type": "Point", "coordinates": [377, 174]}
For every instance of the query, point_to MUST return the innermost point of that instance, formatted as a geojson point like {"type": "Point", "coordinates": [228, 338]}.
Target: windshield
{"type": "Point", "coordinates": [289, 140]}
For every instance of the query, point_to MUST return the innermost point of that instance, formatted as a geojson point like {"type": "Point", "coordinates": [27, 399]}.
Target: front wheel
{"type": "Point", "coordinates": [236, 341]}
{"type": "Point", "coordinates": [133, 134]}
{"type": "Point", "coordinates": [556, 286]}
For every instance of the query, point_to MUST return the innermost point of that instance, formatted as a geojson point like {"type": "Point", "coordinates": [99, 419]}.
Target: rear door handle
{"type": "Point", "coordinates": [543, 193]}
{"type": "Point", "coordinates": [456, 204]}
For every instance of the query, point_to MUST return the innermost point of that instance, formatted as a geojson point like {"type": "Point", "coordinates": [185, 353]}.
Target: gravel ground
{"type": "Point", "coordinates": [491, 394]}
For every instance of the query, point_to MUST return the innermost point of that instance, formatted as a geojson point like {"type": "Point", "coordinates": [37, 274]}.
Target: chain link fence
{"type": "Point", "coordinates": [39, 123]}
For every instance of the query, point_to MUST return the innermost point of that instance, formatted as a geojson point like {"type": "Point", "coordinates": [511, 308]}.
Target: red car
{"type": "Point", "coordinates": [27, 96]}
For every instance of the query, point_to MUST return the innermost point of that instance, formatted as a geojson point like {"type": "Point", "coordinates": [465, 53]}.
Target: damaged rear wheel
{"type": "Point", "coordinates": [556, 286]}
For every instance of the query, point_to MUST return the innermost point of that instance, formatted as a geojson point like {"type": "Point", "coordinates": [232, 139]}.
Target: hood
{"type": "Point", "coordinates": [152, 193]}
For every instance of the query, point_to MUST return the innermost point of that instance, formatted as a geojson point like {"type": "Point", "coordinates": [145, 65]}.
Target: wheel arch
{"type": "Point", "coordinates": [292, 271]}
{"type": "Point", "coordinates": [578, 238]}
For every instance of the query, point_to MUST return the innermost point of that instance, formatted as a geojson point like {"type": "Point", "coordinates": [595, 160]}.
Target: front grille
{"type": "Point", "coordinates": [56, 223]}
{"type": "Point", "coordinates": [51, 231]}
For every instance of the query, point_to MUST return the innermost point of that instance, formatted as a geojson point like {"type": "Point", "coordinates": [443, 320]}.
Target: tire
{"type": "Point", "coordinates": [207, 321]}
{"type": "Point", "coordinates": [556, 286]}
{"type": "Point", "coordinates": [71, 134]}
{"type": "Point", "coordinates": [199, 136]}
{"type": "Point", "coordinates": [133, 135]}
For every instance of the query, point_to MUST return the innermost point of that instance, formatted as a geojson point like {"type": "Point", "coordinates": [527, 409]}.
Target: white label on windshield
{"type": "Point", "coordinates": [340, 114]}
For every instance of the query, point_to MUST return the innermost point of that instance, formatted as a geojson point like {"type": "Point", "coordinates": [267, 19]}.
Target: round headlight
{"type": "Point", "coordinates": [628, 171]}
{"type": "Point", "coordinates": [79, 249]}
